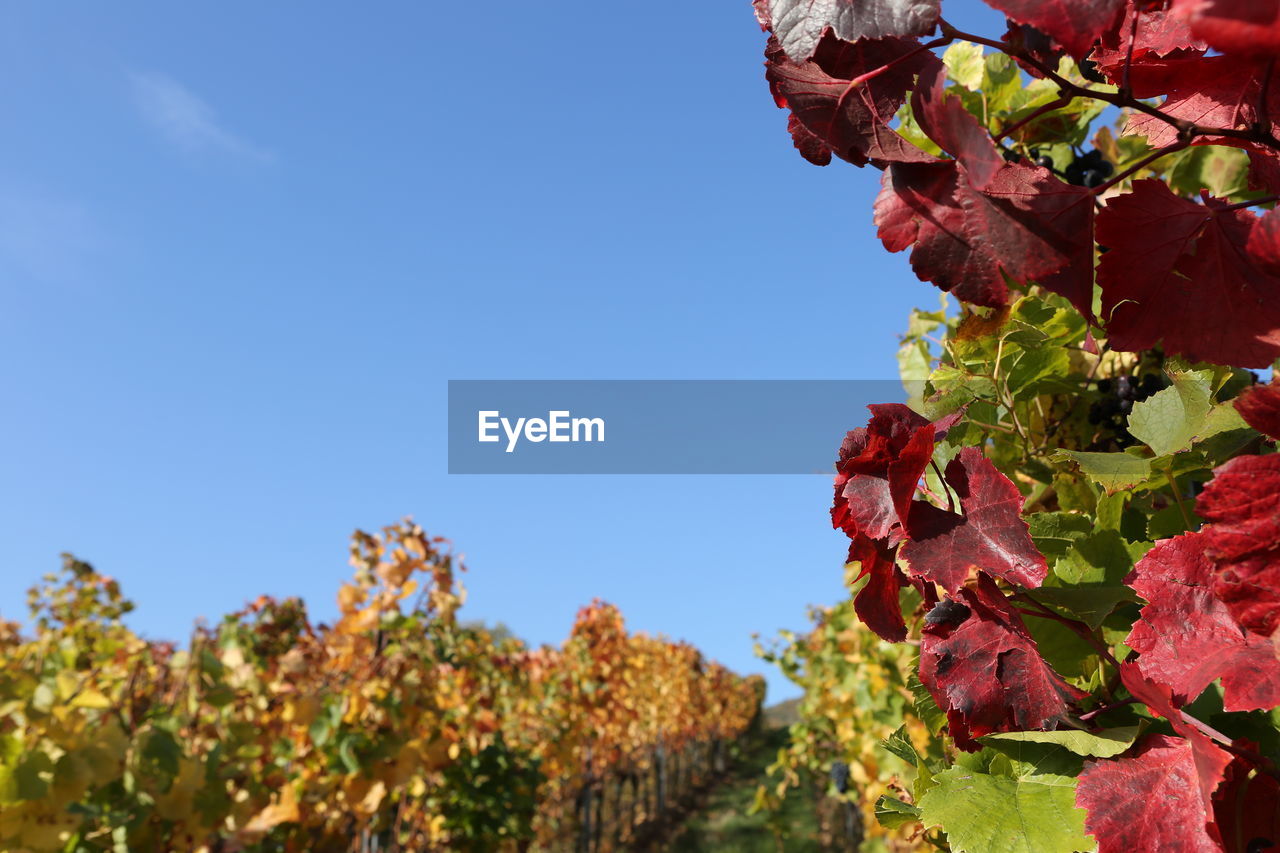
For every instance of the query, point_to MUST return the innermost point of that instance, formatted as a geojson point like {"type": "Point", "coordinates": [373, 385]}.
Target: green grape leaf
{"type": "Point", "coordinates": [1054, 532]}
{"type": "Point", "coordinates": [985, 813]}
{"type": "Point", "coordinates": [900, 744]}
{"type": "Point", "coordinates": [1115, 472]}
{"type": "Point", "coordinates": [1103, 557]}
{"type": "Point", "coordinates": [893, 813]}
{"type": "Point", "coordinates": [925, 706]}
{"type": "Point", "coordinates": [1092, 604]}
{"type": "Point", "coordinates": [1103, 744]}
{"type": "Point", "coordinates": [965, 64]}
{"type": "Point", "coordinates": [1169, 421]}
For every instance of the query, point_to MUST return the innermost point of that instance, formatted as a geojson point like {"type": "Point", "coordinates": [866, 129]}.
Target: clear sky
{"type": "Point", "coordinates": [243, 247]}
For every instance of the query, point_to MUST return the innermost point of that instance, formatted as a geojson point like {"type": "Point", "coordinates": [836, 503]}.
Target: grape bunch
{"type": "Point", "coordinates": [1116, 401]}
{"type": "Point", "coordinates": [840, 775]}
{"type": "Point", "coordinates": [1089, 170]}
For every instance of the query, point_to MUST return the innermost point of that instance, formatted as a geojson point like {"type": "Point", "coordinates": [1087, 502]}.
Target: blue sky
{"type": "Point", "coordinates": [244, 246]}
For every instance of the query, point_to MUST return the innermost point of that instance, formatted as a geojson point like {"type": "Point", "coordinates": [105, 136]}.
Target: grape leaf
{"type": "Point", "coordinates": [1027, 224]}
{"type": "Point", "coordinates": [1243, 540]}
{"type": "Point", "coordinates": [983, 668]}
{"type": "Point", "coordinates": [1187, 637]}
{"type": "Point", "coordinates": [851, 121]}
{"type": "Point", "coordinates": [893, 813]}
{"type": "Point", "coordinates": [1103, 744]}
{"type": "Point", "coordinates": [1247, 806]}
{"type": "Point", "coordinates": [1234, 26]}
{"type": "Point", "coordinates": [1177, 271]}
{"type": "Point", "coordinates": [1211, 91]}
{"type": "Point", "coordinates": [879, 467]}
{"type": "Point", "coordinates": [877, 602]}
{"type": "Point", "coordinates": [946, 121]}
{"type": "Point", "coordinates": [1115, 472]}
{"type": "Point", "coordinates": [800, 24]}
{"type": "Point", "coordinates": [1149, 800]}
{"type": "Point", "coordinates": [1090, 604]}
{"type": "Point", "coordinates": [990, 536]}
{"type": "Point", "coordinates": [1170, 419]}
{"type": "Point", "coordinates": [1158, 34]}
{"type": "Point", "coordinates": [1031, 813]}
{"type": "Point", "coordinates": [919, 205]}
{"type": "Point", "coordinates": [1074, 24]}
{"type": "Point", "coordinates": [1260, 408]}
{"type": "Point", "coordinates": [1264, 242]}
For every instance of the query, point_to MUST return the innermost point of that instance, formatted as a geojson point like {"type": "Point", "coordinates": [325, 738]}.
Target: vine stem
{"type": "Point", "coordinates": [1267, 199]}
{"type": "Point", "coordinates": [1177, 498]}
{"type": "Point", "coordinates": [1113, 706]}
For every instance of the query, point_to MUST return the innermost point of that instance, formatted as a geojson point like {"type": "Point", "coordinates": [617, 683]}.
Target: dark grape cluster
{"type": "Point", "coordinates": [1090, 170]}
{"type": "Point", "coordinates": [840, 775]}
{"type": "Point", "coordinates": [1116, 401]}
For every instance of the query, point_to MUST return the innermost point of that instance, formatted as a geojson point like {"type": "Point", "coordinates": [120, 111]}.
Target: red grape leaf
{"type": "Point", "coordinates": [1247, 807]}
{"type": "Point", "coordinates": [984, 669]}
{"type": "Point", "coordinates": [1187, 637]}
{"type": "Point", "coordinates": [944, 119]}
{"type": "Point", "coordinates": [1074, 24]}
{"type": "Point", "coordinates": [879, 467]}
{"type": "Point", "coordinates": [1148, 800]}
{"type": "Point", "coordinates": [1212, 91]}
{"type": "Point", "coordinates": [1264, 243]}
{"type": "Point", "coordinates": [1243, 539]}
{"type": "Point", "coordinates": [1264, 170]}
{"type": "Point", "coordinates": [800, 24]}
{"type": "Point", "coordinates": [1026, 224]}
{"type": "Point", "coordinates": [1234, 26]}
{"type": "Point", "coordinates": [1158, 34]}
{"type": "Point", "coordinates": [919, 205]}
{"type": "Point", "coordinates": [877, 603]}
{"type": "Point", "coordinates": [1178, 271]}
{"type": "Point", "coordinates": [1260, 408]}
{"type": "Point", "coordinates": [1209, 760]}
{"type": "Point", "coordinates": [1020, 39]}
{"type": "Point", "coordinates": [811, 147]}
{"type": "Point", "coordinates": [851, 121]}
{"type": "Point", "coordinates": [991, 535]}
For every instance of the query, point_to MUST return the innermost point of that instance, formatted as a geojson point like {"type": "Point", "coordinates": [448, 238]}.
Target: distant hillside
{"type": "Point", "coordinates": [783, 713]}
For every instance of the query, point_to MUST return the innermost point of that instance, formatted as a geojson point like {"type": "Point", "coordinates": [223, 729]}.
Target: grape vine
{"type": "Point", "coordinates": [396, 728]}
{"type": "Point", "coordinates": [1072, 532]}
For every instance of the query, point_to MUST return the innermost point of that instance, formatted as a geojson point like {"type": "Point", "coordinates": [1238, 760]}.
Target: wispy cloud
{"type": "Point", "coordinates": [185, 119]}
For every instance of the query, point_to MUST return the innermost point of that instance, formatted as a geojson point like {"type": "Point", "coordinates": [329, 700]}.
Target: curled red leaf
{"type": "Point", "coordinates": [877, 602]}
{"type": "Point", "coordinates": [1260, 408]}
{"type": "Point", "coordinates": [990, 536]}
{"type": "Point", "coordinates": [879, 467]}
{"type": "Point", "coordinates": [852, 121]}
